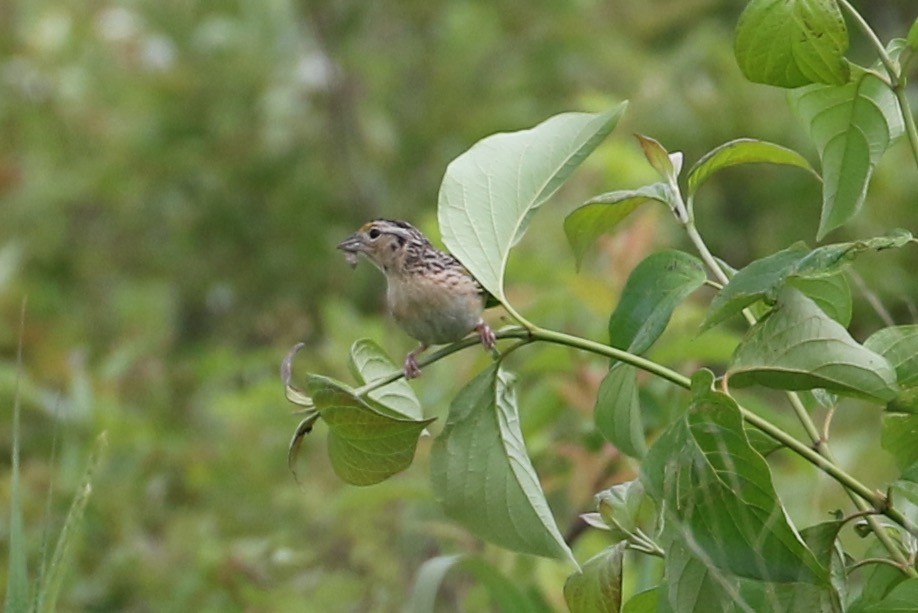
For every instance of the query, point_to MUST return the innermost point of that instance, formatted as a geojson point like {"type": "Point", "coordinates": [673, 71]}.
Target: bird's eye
{"type": "Point", "coordinates": [373, 234]}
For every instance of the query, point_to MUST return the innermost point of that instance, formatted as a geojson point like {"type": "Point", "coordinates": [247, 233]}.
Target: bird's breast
{"type": "Point", "coordinates": [435, 311]}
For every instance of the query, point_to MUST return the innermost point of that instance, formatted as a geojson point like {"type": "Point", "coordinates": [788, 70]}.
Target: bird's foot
{"type": "Point", "coordinates": [412, 370]}
{"type": "Point", "coordinates": [486, 334]}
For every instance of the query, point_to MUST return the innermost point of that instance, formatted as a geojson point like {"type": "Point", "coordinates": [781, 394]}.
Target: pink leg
{"type": "Point", "coordinates": [486, 334]}
{"type": "Point", "coordinates": [412, 370]}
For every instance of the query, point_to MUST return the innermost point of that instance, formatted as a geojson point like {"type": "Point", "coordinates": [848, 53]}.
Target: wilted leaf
{"type": "Point", "coordinates": [601, 214]}
{"type": "Point", "coordinates": [851, 126]}
{"type": "Point", "coordinates": [798, 347]}
{"type": "Point", "coordinates": [789, 43]}
{"type": "Point", "coordinates": [491, 191]}
{"type": "Point", "coordinates": [743, 151]}
{"type": "Point", "coordinates": [482, 475]}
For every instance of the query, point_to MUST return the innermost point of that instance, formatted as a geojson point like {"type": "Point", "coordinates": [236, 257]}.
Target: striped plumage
{"type": "Point", "coordinates": [430, 294]}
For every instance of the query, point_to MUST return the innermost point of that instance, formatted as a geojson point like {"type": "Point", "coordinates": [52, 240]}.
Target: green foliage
{"type": "Point", "coordinates": [174, 177]}
{"type": "Point", "coordinates": [724, 534]}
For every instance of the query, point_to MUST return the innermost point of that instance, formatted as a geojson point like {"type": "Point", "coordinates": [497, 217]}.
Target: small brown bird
{"type": "Point", "coordinates": [430, 294]}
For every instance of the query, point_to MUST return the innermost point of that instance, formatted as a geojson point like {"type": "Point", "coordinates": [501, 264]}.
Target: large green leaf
{"type": "Point", "coordinates": [602, 213]}
{"type": "Point", "coordinates": [798, 347]}
{"type": "Point", "coordinates": [654, 289]}
{"type": "Point", "coordinates": [598, 585]}
{"type": "Point", "coordinates": [851, 126]}
{"type": "Point", "coordinates": [743, 151]}
{"type": "Point", "coordinates": [370, 363]}
{"type": "Point", "coordinates": [490, 192]}
{"type": "Point", "coordinates": [618, 412]}
{"type": "Point", "coordinates": [719, 497]}
{"type": "Point", "coordinates": [482, 475]}
{"type": "Point", "coordinates": [365, 446]}
{"type": "Point", "coordinates": [789, 43]}
{"type": "Point", "coordinates": [693, 586]}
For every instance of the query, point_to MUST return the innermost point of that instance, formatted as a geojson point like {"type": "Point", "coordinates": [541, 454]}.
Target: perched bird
{"type": "Point", "coordinates": [430, 294]}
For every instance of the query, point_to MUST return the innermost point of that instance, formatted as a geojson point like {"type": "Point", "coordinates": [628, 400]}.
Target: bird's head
{"type": "Point", "coordinates": [388, 244]}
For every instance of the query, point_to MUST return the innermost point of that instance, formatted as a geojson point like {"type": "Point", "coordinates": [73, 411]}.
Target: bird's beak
{"type": "Point", "coordinates": [352, 246]}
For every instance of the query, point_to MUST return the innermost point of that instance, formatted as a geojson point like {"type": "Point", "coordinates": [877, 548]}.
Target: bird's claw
{"type": "Point", "coordinates": [486, 334]}
{"type": "Point", "coordinates": [412, 370]}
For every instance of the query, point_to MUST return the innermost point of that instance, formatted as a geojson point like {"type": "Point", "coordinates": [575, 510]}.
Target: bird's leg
{"type": "Point", "coordinates": [486, 334]}
{"type": "Point", "coordinates": [412, 370]}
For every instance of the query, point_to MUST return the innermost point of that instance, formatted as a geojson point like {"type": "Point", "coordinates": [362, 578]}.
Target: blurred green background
{"type": "Point", "coordinates": [174, 177]}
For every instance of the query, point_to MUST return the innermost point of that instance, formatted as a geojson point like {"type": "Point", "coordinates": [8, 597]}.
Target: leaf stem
{"type": "Point", "coordinates": [887, 61]}
{"type": "Point", "coordinates": [895, 72]}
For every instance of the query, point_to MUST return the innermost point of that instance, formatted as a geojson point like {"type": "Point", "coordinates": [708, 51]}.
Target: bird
{"type": "Point", "coordinates": [430, 294]}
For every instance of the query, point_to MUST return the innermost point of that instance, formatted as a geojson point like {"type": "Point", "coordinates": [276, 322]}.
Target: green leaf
{"type": "Point", "coordinates": [601, 214]}
{"type": "Point", "coordinates": [912, 37]}
{"type": "Point", "coordinates": [789, 43]}
{"type": "Point", "coordinates": [491, 191]}
{"type": "Point", "coordinates": [797, 347]}
{"type": "Point", "coordinates": [430, 577]}
{"type": "Point", "coordinates": [365, 446]}
{"type": "Point", "coordinates": [618, 411]}
{"type": "Point", "coordinates": [898, 438]}
{"type": "Point", "coordinates": [482, 475]}
{"type": "Point", "coordinates": [720, 500]}
{"type": "Point", "coordinates": [644, 602]}
{"type": "Point", "coordinates": [902, 598]}
{"type": "Point", "coordinates": [369, 363]}
{"type": "Point", "coordinates": [53, 578]}
{"type": "Point", "coordinates": [743, 151]}
{"type": "Point", "coordinates": [598, 585]}
{"type": "Point", "coordinates": [829, 259]}
{"type": "Point", "coordinates": [899, 345]}
{"type": "Point", "coordinates": [831, 294]}
{"type": "Point", "coordinates": [654, 289]}
{"type": "Point", "coordinates": [693, 586]}
{"type": "Point", "coordinates": [851, 126]}
{"type": "Point", "coordinates": [760, 279]}
{"type": "Point", "coordinates": [658, 157]}
{"type": "Point", "coordinates": [811, 271]}
{"type": "Point", "coordinates": [619, 507]}
{"type": "Point", "coordinates": [17, 581]}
